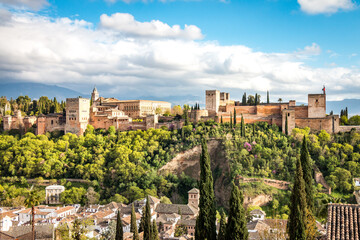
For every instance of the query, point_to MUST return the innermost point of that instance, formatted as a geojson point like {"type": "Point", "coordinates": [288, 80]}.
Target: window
{"type": "Point", "coordinates": [288, 114]}
{"type": "Point", "coordinates": [52, 122]}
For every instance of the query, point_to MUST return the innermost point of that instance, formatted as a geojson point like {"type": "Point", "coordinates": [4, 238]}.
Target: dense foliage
{"type": "Point", "coordinates": [43, 105]}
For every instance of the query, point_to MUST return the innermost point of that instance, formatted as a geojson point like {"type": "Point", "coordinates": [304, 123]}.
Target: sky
{"type": "Point", "coordinates": [179, 48]}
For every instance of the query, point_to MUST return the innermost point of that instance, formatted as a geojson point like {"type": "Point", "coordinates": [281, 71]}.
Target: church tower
{"type": "Point", "coordinates": [194, 197]}
{"type": "Point", "coordinates": [95, 95]}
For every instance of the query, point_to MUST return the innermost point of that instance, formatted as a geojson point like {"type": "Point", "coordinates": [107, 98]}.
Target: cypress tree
{"type": "Point", "coordinates": [231, 126]}
{"type": "Point", "coordinates": [267, 97]}
{"type": "Point", "coordinates": [222, 229]}
{"type": "Point", "coordinates": [286, 126]}
{"type": "Point", "coordinates": [155, 233]}
{"type": "Point", "coordinates": [221, 120]}
{"type": "Point", "coordinates": [133, 227]}
{"type": "Point", "coordinates": [147, 222]}
{"type": "Point", "coordinates": [234, 117]}
{"type": "Point", "coordinates": [244, 99]}
{"type": "Point", "coordinates": [256, 99]}
{"type": "Point", "coordinates": [307, 175]}
{"type": "Point", "coordinates": [242, 126]}
{"type": "Point", "coordinates": [119, 228]}
{"type": "Point", "coordinates": [296, 223]}
{"type": "Point", "coordinates": [206, 221]}
{"type": "Point", "coordinates": [236, 226]}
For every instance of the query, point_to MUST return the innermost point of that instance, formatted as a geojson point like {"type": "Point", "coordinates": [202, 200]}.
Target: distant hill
{"type": "Point", "coordinates": [36, 90]}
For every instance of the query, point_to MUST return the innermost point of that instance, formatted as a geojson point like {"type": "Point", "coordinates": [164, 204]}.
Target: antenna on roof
{"type": "Point", "coordinates": [323, 89]}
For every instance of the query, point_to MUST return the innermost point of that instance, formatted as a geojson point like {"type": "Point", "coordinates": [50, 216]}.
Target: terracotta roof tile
{"type": "Point", "coordinates": [343, 221]}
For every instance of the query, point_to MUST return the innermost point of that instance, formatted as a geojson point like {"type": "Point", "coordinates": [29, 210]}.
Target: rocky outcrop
{"type": "Point", "coordinates": [188, 162]}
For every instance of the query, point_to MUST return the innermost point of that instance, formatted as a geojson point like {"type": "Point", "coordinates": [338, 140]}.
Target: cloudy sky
{"type": "Point", "coordinates": [168, 48]}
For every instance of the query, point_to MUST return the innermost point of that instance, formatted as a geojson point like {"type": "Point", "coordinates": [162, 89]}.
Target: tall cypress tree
{"type": "Point", "coordinates": [119, 228]}
{"type": "Point", "coordinates": [298, 207]}
{"type": "Point", "coordinates": [286, 125]}
{"type": "Point", "coordinates": [234, 117]}
{"type": "Point", "coordinates": [267, 97]}
{"type": "Point", "coordinates": [231, 122]}
{"type": "Point", "coordinates": [222, 229]}
{"type": "Point", "coordinates": [236, 226]}
{"type": "Point", "coordinates": [206, 220]}
{"type": "Point", "coordinates": [133, 227]}
{"type": "Point", "coordinates": [242, 126]}
{"type": "Point", "coordinates": [256, 99]}
{"type": "Point", "coordinates": [244, 99]}
{"type": "Point", "coordinates": [147, 222]}
{"type": "Point", "coordinates": [155, 233]}
{"type": "Point", "coordinates": [221, 120]}
{"type": "Point", "coordinates": [307, 175]}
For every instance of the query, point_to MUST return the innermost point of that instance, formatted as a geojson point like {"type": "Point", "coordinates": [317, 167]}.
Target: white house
{"type": "Point", "coordinates": [257, 214]}
{"type": "Point", "coordinates": [5, 222]}
{"type": "Point", "coordinates": [52, 194]}
{"type": "Point", "coordinates": [357, 182]}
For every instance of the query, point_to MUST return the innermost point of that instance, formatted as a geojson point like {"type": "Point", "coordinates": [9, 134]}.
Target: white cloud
{"type": "Point", "coordinates": [73, 54]}
{"type": "Point", "coordinates": [125, 24]}
{"type": "Point", "coordinates": [33, 4]}
{"type": "Point", "coordinates": [325, 6]}
{"type": "Point", "coordinates": [312, 50]}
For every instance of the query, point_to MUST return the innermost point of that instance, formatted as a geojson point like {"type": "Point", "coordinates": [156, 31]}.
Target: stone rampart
{"type": "Point", "coordinates": [283, 185]}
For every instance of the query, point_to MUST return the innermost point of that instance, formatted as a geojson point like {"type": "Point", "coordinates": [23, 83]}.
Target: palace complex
{"type": "Point", "coordinates": [144, 114]}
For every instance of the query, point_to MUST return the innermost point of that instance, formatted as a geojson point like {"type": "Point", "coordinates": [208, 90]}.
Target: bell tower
{"type": "Point", "coordinates": [95, 95]}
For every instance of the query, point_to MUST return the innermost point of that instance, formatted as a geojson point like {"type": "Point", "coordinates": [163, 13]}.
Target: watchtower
{"type": "Point", "coordinates": [317, 105]}
{"type": "Point", "coordinates": [212, 101]}
{"type": "Point", "coordinates": [77, 115]}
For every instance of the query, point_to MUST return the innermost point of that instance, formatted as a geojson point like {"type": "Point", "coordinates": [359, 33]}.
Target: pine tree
{"type": "Point", "coordinates": [206, 220]}
{"type": "Point", "coordinates": [296, 222]}
{"type": "Point", "coordinates": [307, 175]}
{"type": "Point", "coordinates": [133, 227]}
{"type": "Point", "coordinates": [244, 99]}
{"type": "Point", "coordinates": [222, 229]}
{"type": "Point", "coordinates": [236, 226]}
{"type": "Point", "coordinates": [155, 233]}
{"type": "Point", "coordinates": [147, 222]}
{"type": "Point", "coordinates": [234, 117]}
{"type": "Point", "coordinates": [267, 97]}
{"type": "Point", "coordinates": [119, 228]}
{"type": "Point", "coordinates": [286, 125]}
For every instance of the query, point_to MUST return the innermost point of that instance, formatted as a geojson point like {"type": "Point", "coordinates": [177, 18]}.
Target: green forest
{"type": "Point", "coordinates": [122, 166]}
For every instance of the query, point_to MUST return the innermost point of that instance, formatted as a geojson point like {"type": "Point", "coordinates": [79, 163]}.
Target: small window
{"type": "Point", "coordinates": [317, 100]}
{"type": "Point", "coordinates": [288, 114]}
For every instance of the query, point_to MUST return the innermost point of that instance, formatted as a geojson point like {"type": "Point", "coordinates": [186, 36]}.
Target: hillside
{"type": "Point", "coordinates": [188, 162]}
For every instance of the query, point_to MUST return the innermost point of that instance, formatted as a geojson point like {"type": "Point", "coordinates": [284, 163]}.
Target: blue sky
{"type": "Point", "coordinates": [264, 25]}
{"type": "Point", "coordinates": [131, 48]}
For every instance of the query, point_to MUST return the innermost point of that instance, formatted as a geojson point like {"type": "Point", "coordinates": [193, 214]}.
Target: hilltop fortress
{"type": "Point", "coordinates": [144, 114]}
{"type": "Point", "coordinates": [219, 105]}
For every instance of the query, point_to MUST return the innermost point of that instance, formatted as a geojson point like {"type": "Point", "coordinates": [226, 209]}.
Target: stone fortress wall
{"type": "Point", "coordinates": [314, 115]}
{"type": "Point", "coordinates": [141, 114]}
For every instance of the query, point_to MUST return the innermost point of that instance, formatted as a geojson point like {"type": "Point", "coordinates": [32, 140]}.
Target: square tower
{"type": "Point", "coordinates": [212, 101]}
{"type": "Point", "coordinates": [316, 105]}
{"type": "Point", "coordinates": [77, 115]}
{"type": "Point", "coordinates": [194, 197]}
